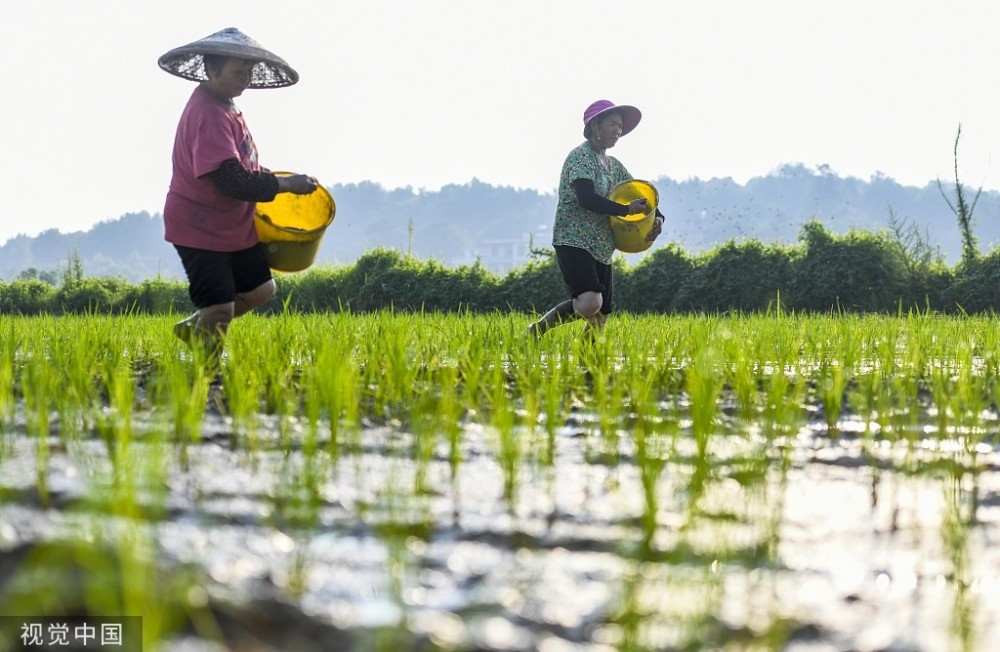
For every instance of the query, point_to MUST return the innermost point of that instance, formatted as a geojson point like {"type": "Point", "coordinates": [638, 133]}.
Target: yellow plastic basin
{"type": "Point", "coordinates": [292, 226]}
{"type": "Point", "coordinates": [630, 231]}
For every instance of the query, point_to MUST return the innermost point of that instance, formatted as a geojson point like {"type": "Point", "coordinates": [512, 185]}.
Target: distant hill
{"type": "Point", "coordinates": [459, 223]}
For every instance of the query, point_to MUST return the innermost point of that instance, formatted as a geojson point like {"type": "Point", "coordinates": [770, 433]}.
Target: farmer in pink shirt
{"type": "Point", "coordinates": [217, 181]}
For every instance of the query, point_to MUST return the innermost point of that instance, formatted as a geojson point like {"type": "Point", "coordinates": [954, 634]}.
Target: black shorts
{"type": "Point", "coordinates": [582, 273]}
{"type": "Point", "coordinates": [216, 277]}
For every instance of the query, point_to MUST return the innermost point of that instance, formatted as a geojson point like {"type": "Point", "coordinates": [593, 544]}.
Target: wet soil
{"type": "Point", "coordinates": [798, 542]}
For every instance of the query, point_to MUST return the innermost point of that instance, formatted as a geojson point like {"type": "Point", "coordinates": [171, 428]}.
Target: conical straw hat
{"type": "Point", "coordinates": [187, 61]}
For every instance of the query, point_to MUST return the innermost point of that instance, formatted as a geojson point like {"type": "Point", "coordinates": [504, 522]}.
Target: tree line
{"type": "Point", "coordinates": [891, 270]}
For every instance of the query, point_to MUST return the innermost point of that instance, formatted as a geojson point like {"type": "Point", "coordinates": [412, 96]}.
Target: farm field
{"type": "Point", "coordinates": [399, 481]}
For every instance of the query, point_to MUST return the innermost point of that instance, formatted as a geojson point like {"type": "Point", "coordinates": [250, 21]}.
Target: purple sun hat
{"type": "Point", "coordinates": [630, 115]}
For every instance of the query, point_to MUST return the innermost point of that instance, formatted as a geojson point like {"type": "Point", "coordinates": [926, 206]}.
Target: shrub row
{"type": "Point", "coordinates": [857, 272]}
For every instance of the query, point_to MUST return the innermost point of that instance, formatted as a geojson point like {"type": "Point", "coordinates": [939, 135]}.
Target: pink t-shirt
{"type": "Point", "coordinates": [196, 214]}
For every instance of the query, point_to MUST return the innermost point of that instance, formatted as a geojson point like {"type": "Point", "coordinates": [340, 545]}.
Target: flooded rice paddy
{"type": "Point", "coordinates": [400, 482]}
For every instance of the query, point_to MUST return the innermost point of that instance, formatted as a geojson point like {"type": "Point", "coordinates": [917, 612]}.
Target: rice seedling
{"type": "Point", "coordinates": [703, 382]}
{"type": "Point", "coordinates": [651, 457]}
{"type": "Point", "coordinates": [279, 379]}
{"type": "Point", "coordinates": [243, 399]}
{"type": "Point", "coordinates": [602, 394]}
{"type": "Point", "coordinates": [79, 395]}
{"type": "Point", "coordinates": [554, 391]}
{"type": "Point", "coordinates": [742, 375]}
{"type": "Point", "coordinates": [114, 424]}
{"type": "Point", "coordinates": [181, 388]}
{"type": "Point", "coordinates": [38, 389]}
{"type": "Point", "coordinates": [778, 403]}
{"type": "Point", "coordinates": [390, 351]}
{"type": "Point", "coordinates": [334, 383]}
{"type": "Point", "coordinates": [967, 401]}
{"type": "Point", "coordinates": [528, 371]}
{"type": "Point", "coordinates": [425, 436]}
{"type": "Point", "coordinates": [688, 440]}
{"type": "Point", "coordinates": [502, 419]}
{"type": "Point", "coordinates": [8, 351]}
{"type": "Point", "coordinates": [955, 529]}
{"type": "Point", "coordinates": [835, 370]}
{"type": "Point", "coordinates": [471, 357]}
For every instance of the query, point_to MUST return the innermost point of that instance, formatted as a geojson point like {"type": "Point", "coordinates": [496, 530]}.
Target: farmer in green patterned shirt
{"type": "Point", "coordinates": [582, 234]}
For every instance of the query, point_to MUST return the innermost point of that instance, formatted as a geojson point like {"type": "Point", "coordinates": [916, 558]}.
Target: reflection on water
{"type": "Point", "coordinates": [647, 538]}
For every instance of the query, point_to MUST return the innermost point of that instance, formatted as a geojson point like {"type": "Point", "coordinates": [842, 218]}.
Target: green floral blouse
{"type": "Point", "coordinates": [576, 226]}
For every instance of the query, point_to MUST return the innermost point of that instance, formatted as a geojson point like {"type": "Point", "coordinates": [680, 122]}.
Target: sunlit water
{"type": "Point", "coordinates": [796, 542]}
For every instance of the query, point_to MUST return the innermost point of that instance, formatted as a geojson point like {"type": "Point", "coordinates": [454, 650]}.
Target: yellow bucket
{"type": "Point", "coordinates": [630, 231]}
{"type": "Point", "coordinates": [291, 227]}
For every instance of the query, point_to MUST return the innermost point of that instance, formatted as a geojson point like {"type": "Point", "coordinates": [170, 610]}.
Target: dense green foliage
{"type": "Point", "coordinates": [855, 272]}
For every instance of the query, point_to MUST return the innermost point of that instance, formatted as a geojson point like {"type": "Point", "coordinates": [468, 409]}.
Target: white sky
{"type": "Point", "coordinates": [430, 92]}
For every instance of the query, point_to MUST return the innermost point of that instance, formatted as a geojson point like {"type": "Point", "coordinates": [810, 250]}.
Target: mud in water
{"type": "Point", "coordinates": [276, 540]}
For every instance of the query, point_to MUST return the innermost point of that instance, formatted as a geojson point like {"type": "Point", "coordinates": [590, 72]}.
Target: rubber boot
{"type": "Point", "coordinates": [206, 346]}
{"type": "Point", "coordinates": [184, 329]}
{"type": "Point", "coordinates": [594, 327]}
{"type": "Point", "coordinates": [561, 313]}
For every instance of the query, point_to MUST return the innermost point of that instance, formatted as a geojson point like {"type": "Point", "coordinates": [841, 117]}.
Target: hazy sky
{"type": "Point", "coordinates": [430, 92]}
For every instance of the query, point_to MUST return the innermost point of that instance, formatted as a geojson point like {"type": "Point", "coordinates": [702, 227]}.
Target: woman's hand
{"type": "Point", "coordinates": [637, 206]}
{"type": "Point", "coordinates": [654, 232]}
{"type": "Point", "coordinates": [299, 184]}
